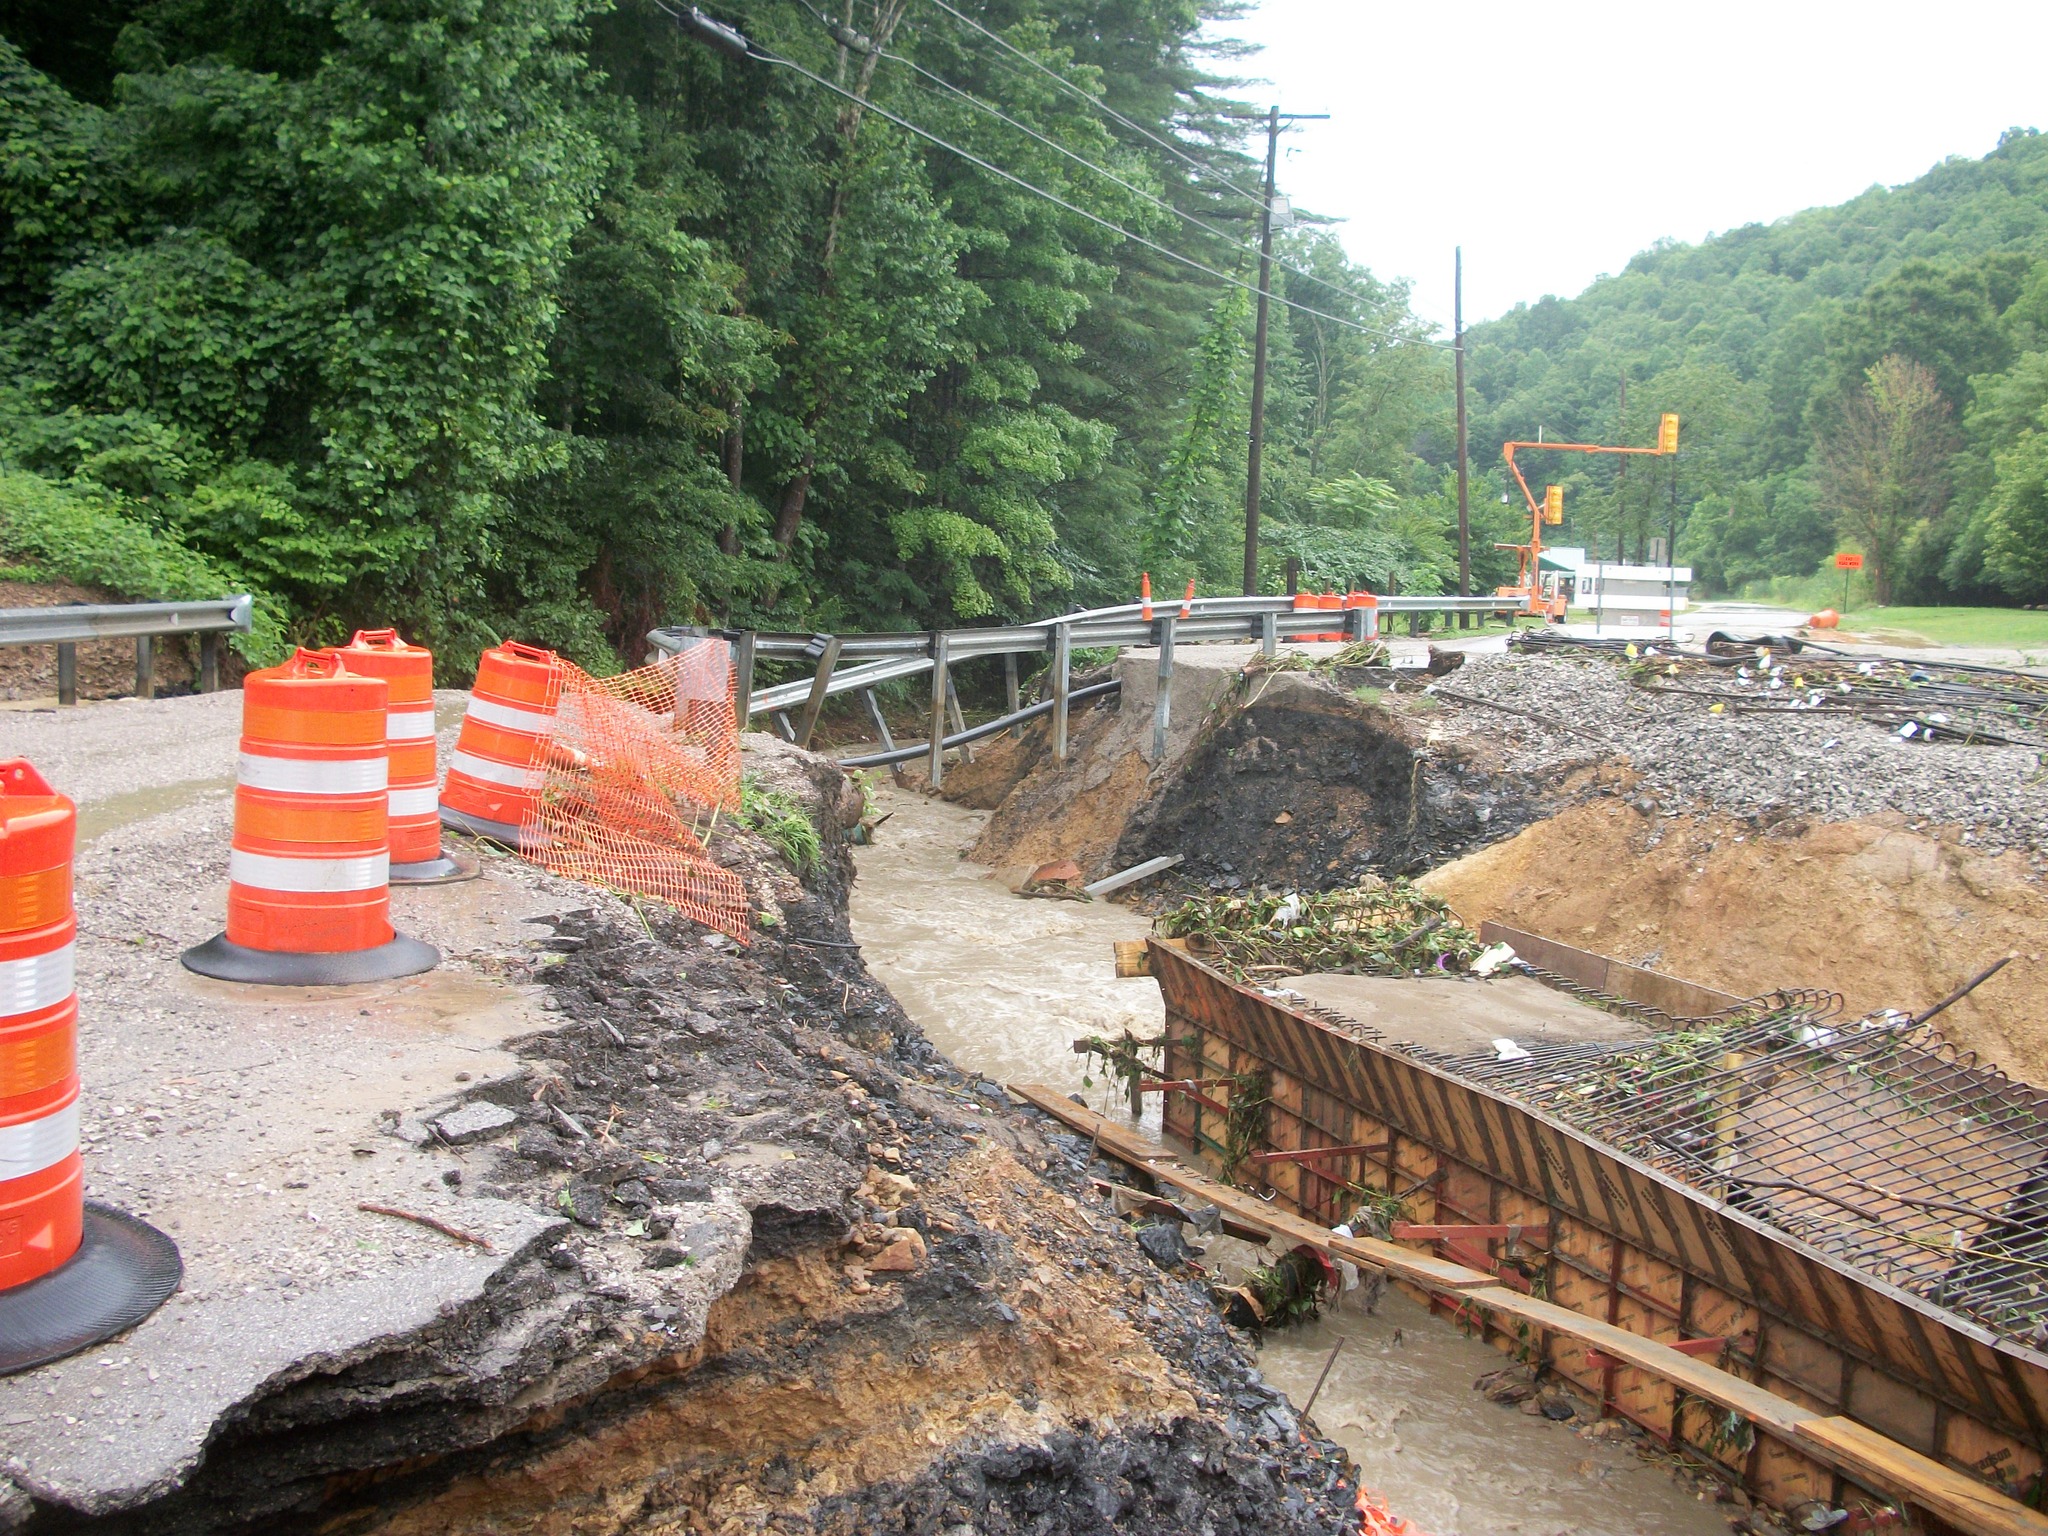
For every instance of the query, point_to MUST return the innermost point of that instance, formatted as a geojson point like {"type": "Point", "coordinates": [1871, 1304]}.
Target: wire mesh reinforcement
{"type": "Point", "coordinates": [634, 778]}
{"type": "Point", "coordinates": [1875, 1140]}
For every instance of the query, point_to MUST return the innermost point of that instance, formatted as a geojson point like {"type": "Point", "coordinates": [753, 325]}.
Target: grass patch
{"type": "Point", "coordinates": [2006, 628]}
{"type": "Point", "coordinates": [779, 818]}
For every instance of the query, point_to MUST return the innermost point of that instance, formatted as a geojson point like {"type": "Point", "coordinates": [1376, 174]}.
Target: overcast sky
{"type": "Point", "coordinates": [1553, 142]}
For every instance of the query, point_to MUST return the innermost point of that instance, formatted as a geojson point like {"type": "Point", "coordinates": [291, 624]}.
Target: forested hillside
{"type": "Point", "coordinates": [1872, 375]}
{"type": "Point", "coordinates": [543, 317]}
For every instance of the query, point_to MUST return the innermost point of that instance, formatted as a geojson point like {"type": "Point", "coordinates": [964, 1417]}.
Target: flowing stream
{"type": "Point", "coordinates": [1005, 984]}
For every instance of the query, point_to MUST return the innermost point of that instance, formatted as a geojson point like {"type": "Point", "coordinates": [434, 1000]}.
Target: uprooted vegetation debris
{"type": "Point", "coordinates": [1376, 928]}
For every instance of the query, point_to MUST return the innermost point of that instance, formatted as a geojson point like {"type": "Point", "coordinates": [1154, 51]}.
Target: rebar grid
{"type": "Point", "coordinates": [1875, 1140]}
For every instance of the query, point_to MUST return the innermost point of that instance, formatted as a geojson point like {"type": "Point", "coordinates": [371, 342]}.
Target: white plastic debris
{"type": "Point", "coordinates": [1491, 959]}
{"type": "Point", "coordinates": [1908, 731]}
{"type": "Point", "coordinates": [1505, 1049]}
{"type": "Point", "coordinates": [1289, 912]}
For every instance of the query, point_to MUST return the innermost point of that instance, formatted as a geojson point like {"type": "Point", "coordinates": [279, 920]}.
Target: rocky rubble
{"type": "Point", "coordinates": [1767, 768]}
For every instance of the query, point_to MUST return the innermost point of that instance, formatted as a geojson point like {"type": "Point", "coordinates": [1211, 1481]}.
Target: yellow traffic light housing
{"type": "Point", "coordinates": [1667, 433]}
{"type": "Point", "coordinates": [1553, 502]}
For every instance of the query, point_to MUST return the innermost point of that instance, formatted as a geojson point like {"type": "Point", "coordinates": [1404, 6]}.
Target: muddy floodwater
{"type": "Point", "coordinates": [1004, 985]}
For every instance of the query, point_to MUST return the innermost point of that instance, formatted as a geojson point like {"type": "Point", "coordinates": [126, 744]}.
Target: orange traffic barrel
{"type": "Point", "coordinates": [70, 1275]}
{"type": "Point", "coordinates": [309, 894]}
{"type": "Point", "coordinates": [414, 794]}
{"type": "Point", "coordinates": [1371, 604]}
{"type": "Point", "coordinates": [495, 771]}
{"type": "Point", "coordinates": [1332, 602]}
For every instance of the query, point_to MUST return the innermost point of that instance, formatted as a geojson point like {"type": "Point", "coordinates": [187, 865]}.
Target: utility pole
{"type": "Point", "coordinates": [1458, 347]}
{"type": "Point", "coordinates": [1253, 465]}
{"type": "Point", "coordinates": [1621, 485]}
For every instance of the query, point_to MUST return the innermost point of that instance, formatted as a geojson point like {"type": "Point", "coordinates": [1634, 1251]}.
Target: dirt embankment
{"type": "Point", "coordinates": [1309, 778]}
{"type": "Point", "coordinates": [1885, 915]}
{"type": "Point", "coordinates": [925, 1318]}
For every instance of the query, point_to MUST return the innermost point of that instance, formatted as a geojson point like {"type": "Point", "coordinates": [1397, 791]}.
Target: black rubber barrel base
{"type": "Point", "coordinates": [122, 1272]}
{"type": "Point", "coordinates": [445, 870]}
{"type": "Point", "coordinates": [477, 826]}
{"type": "Point", "coordinates": [226, 961]}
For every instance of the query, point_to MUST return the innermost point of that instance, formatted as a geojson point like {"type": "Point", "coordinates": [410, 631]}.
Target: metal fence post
{"type": "Point", "coordinates": [1269, 633]}
{"type": "Point", "coordinates": [1062, 686]}
{"type": "Point", "coordinates": [209, 663]}
{"type": "Point", "coordinates": [935, 761]}
{"type": "Point", "coordinates": [743, 668]}
{"type": "Point", "coordinates": [145, 667]}
{"type": "Point", "coordinates": [1162, 705]}
{"type": "Point", "coordinates": [67, 672]}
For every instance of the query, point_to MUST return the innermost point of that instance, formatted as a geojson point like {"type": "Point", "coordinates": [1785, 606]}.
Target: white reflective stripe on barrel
{"type": "Point", "coordinates": [272, 872]}
{"type": "Point", "coordinates": [37, 981]}
{"type": "Point", "coordinates": [510, 718]}
{"type": "Point", "coordinates": [315, 776]}
{"type": "Point", "coordinates": [510, 775]}
{"type": "Point", "coordinates": [415, 802]}
{"type": "Point", "coordinates": [34, 1145]}
{"type": "Point", "coordinates": [411, 725]}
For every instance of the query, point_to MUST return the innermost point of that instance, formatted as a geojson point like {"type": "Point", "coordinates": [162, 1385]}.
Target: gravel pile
{"type": "Point", "coordinates": [1768, 768]}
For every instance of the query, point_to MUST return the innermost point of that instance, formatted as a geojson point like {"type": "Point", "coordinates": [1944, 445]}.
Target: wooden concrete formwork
{"type": "Point", "coordinates": [1627, 1244]}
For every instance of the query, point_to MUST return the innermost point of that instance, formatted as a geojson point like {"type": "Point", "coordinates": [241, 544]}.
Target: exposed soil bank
{"type": "Point", "coordinates": [1887, 916]}
{"type": "Point", "coordinates": [1292, 777]}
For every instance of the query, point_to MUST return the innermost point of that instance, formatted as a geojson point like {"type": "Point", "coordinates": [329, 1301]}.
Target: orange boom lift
{"type": "Point", "coordinates": [1528, 578]}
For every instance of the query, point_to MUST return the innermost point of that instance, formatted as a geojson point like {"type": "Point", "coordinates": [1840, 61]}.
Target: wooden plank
{"type": "Point", "coordinates": [1920, 1480]}
{"type": "Point", "coordinates": [1126, 1147]}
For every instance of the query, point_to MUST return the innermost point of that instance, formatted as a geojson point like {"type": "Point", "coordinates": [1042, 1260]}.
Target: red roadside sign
{"type": "Point", "coordinates": [1848, 562]}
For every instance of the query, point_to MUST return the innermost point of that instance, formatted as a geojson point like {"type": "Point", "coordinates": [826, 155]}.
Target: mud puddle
{"type": "Point", "coordinates": [98, 817]}
{"type": "Point", "coordinates": [1004, 985]}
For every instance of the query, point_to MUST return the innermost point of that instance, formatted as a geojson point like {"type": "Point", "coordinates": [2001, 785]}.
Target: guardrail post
{"type": "Point", "coordinates": [1464, 618]}
{"type": "Point", "coordinates": [820, 686]}
{"type": "Point", "coordinates": [935, 764]}
{"type": "Point", "coordinates": [1162, 704]}
{"type": "Point", "coordinates": [1010, 683]}
{"type": "Point", "coordinates": [1269, 633]}
{"type": "Point", "coordinates": [959, 720]}
{"type": "Point", "coordinates": [145, 667]}
{"type": "Point", "coordinates": [881, 724]}
{"type": "Point", "coordinates": [1414, 623]}
{"type": "Point", "coordinates": [1062, 686]}
{"type": "Point", "coordinates": [743, 667]}
{"type": "Point", "coordinates": [67, 672]}
{"type": "Point", "coordinates": [209, 663]}
{"type": "Point", "coordinates": [1354, 624]}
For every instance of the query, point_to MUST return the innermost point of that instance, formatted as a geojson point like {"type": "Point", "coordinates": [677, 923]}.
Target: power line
{"type": "Point", "coordinates": [1136, 191]}
{"type": "Point", "coordinates": [1098, 104]}
{"type": "Point", "coordinates": [735, 44]}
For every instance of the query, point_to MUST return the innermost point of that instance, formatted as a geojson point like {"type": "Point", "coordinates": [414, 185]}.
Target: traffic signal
{"type": "Point", "coordinates": [1667, 433]}
{"type": "Point", "coordinates": [1553, 502]}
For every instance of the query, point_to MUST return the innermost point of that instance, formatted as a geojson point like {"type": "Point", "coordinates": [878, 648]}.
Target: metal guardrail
{"type": "Point", "coordinates": [65, 626]}
{"type": "Point", "coordinates": [885, 658]}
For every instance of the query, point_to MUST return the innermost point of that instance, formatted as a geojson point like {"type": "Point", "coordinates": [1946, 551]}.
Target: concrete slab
{"type": "Point", "coordinates": [1458, 1015]}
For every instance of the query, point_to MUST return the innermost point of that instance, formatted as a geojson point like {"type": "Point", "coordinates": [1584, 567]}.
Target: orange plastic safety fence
{"type": "Point", "coordinates": [637, 770]}
{"type": "Point", "coordinates": [1375, 1519]}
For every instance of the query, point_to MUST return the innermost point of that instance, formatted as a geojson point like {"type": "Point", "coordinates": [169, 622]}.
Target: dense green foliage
{"type": "Point", "coordinates": [1780, 346]}
{"type": "Point", "coordinates": [541, 317]}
